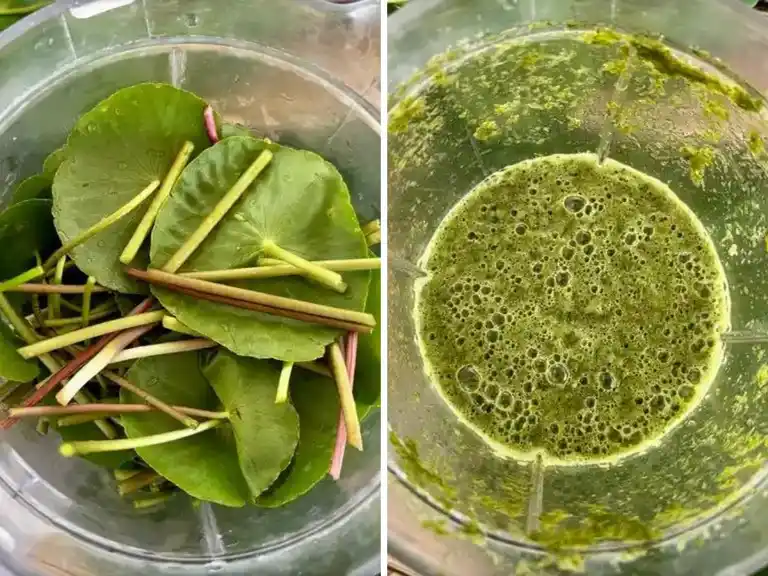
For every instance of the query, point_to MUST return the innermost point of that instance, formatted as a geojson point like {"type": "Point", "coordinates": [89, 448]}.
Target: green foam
{"type": "Point", "coordinates": [572, 309]}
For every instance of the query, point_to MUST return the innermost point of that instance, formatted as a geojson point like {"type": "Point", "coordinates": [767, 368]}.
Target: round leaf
{"type": "Point", "coordinates": [27, 227]}
{"type": "Point", "coordinates": [112, 154]}
{"type": "Point", "coordinates": [266, 433]}
{"type": "Point", "coordinates": [317, 403]}
{"type": "Point", "coordinates": [301, 203]}
{"type": "Point", "coordinates": [37, 186]}
{"type": "Point", "coordinates": [205, 465]}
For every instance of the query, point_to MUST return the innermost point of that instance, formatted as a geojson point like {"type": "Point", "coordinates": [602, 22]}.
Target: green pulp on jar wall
{"type": "Point", "coordinates": [552, 92]}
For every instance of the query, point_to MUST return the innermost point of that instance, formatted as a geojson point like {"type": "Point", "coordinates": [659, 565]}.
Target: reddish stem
{"type": "Point", "coordinates": [73, 366]}
{"type": "Point", "coordinates": [210, 125]}
{"type": "Point", "coordinates": [341, 431]}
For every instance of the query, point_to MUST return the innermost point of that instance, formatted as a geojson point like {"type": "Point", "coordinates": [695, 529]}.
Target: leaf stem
{"type": "Point", "coordinates": [108, 409]}
{"type": "Point", "coordinates": [59, 322]}
{"type": "Point", "coordinates": [174, 325]}
{"type": "Point", "coordinates": [347, 401]}
{"type": "Point", "coordinates": [282, 383]}
{"type": "Point", "coordinates": [218, 212]}
{"type": "Point", "coordinates": [210, 125]}
{"type": "Point", "coordinates": [134, 244]}
{"type": "Point", "coordinates": [137, 482]}
{"type": "Point", "coordinates": [152, 400]}
{"type": "Point", "coordinates": [77, 419]}
{"type": "Point", "coordinates": [70, 449]}
{"type": "Point", "coordinates": [272, 268]}
{"type": "Point", "coordinates": [54, 289]}
{"type": "Point", "coordinates": [162, 349]}
{"type": "Point", "coordinates": [337, 459]}
{"type": "Point", "coordinates": [102, 224]}
{"type": "Point", "coordinates": [90, 332]}
{"type": "Point", "coordinates": [278, 305]}
{"type": "Point", "coordinates": [317, 273]}
{"type": "Point", "coordinates": [122, 475]}
{"type": "Point", "coordinates": [22, 278]}
{"type": "Point", "coordinates": [87, 293]}
{"type": "Point", "coordinates": [371, 227]}
{"type": "Point", "coordinates": [54, 302]}
{"type": "Point", "coordinates": [315, 367]}
{"type": "Point", "coordinates": [59, 373]}
{"type": "Point", "coordinates": [100, 361]}
{"type": "Point", "coordinates": [374, 238]}
{"type": "Point", "coordinates": [144, 503]}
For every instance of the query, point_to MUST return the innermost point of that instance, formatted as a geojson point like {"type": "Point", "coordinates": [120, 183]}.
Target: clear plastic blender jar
{"type": "Point", "coordinates": [304, 73]}
{"type": "Point", "coordinates": [477, 86]}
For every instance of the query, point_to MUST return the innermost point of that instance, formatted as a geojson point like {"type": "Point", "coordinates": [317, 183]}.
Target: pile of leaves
{"type": "Point", "coordinates": [171, 306]}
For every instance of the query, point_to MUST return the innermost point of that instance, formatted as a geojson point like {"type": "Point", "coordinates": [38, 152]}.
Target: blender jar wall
{"type": "Point", "coordinates": [705, 466]}
{"type": "Point", "coordinates": [303, 73]}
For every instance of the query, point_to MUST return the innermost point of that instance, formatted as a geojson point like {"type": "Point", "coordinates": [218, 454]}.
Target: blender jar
{"type": "Point", "coordinates": [477, 86]}
{"type": "Point", "coordinates": [303, 73]}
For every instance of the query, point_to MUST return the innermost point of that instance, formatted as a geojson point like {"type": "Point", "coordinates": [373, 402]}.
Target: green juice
{"type": "Point", "coordinates": [572, 309]}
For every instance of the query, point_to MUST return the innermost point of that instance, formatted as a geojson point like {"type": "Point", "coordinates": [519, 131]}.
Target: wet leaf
{"type": "Point", "coordinates": [301, 203]}
{"type": "Point", "coordinates": [317, 403]}
{"type": "Point", "coordinates": [266, 434]}
{"type": "Point", "coordinates": [37, 186]}
{"type": "Point", "coordinates": [112, 154]}
{"type": "Point", "coordinates": [27, 227]}
{"type": "Point", "coordinates": [206, 465]}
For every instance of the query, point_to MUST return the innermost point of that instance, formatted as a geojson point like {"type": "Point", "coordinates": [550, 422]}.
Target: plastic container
{"type": "Point", "coordinates": [697, 503]}
{"type": "Point", "coordinates": [304, 73]}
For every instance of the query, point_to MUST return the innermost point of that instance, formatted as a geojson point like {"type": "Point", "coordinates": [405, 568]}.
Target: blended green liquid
{"type": "Point", "coordinates": [572, 309]}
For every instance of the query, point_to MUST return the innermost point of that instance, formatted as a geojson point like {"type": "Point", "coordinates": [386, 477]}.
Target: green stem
{"type": "Point", "coordinates": [282, 384]}
{"type": "Point", "coordinates": [134, 244]}
{"type": "Point", "coordinates": [70, 449]}
{"type": "Point", "coordinates": [59, 322]}
{"type": "Point", "coordinates": [373, 239]}
{"type": "Point", "coordinates": [346, 399]}
{"type": "Point", "coordinates": [91, 332]}
{"type": "Point", "coordinates": [371, 227]}
{"type": "Point", "coordinates": [32, 288]}
{"type": "Point", "coordinates": [24, 10]}
{"type": "Point", "coordinates": [152, 400]}
{"type": "Point", "coordinates": [137, 482]}
{"type": "Point", "coordinates": [123, 475]}
{"type": "Point", "coordinates": [172, 324]}
{"type": "Point", "coordinates": [70, 264]}
{"type": "Point", "coordinates": [54, 302]}
{"type": "Point", "coordinates": [22, 278]}
{"type": "Point", "coordinates": [42, 427]}
{"type": "Point", "coordinates": [162, 349]}
{"type": "Point", "coordinates": [273, 268]}
{"type": "Point", "coordinates": [96, 364]}
{"type": "Point", "coordinates": [106, 408]}
{"type": "Point", "coordinates": [77, 419]}
{"type": "Point", "coordinates": [86, 311]}
{"type": "Point", "coordinates": [102, 224]}
{"type": "Point", "coordinates": [317, 273]}
{"type": "Point", "coordinates": [144, 503]}
{"type": "Point", "coordinates": [218, 212]}
{"type": "Point", "coordinates": [315, 367]}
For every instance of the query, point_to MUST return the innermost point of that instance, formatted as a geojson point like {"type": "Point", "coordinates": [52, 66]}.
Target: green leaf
{"type": "Point", "coordinates": [53, 161]}
{"type": "Point", "coordinates": [368, 366]}
{"type": "Point", "coordinates": [266, 433]}
{"type": "Point", "coordinates": [317, 403]}
{"type": "Point", "coordinates": [301, 203]}
{"type": "Point", "coordinates": [227, 130]}
{"type": "Point", "coordinates": [12, 365]}
{"type": "Point", "coordinates": [37, 186]}
{"type": "Point", "coordinates": [27, 227]}
{"type": "Point", "coordinates": [7, 21]}
{"type": "Point", "coordinates": [206, 465]}
{"type": "Point", "coordinates": [112, 154]}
